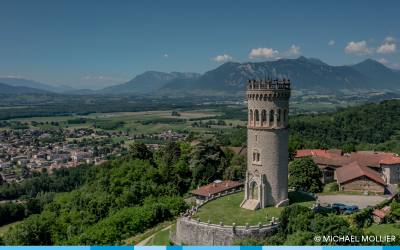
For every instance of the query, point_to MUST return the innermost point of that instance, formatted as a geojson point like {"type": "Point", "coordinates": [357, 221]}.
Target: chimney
{"type": "Point", "coordinates": [227, 184]}
{"type": "Point", "coordinates": [214, 184]}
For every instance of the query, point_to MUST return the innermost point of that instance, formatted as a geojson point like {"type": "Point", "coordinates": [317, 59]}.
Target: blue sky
{"type": "Point", "coordinates": [78, 42]}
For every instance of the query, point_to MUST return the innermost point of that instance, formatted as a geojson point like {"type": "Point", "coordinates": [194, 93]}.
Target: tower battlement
{"type": "Point", "coordinates": [268, 84]}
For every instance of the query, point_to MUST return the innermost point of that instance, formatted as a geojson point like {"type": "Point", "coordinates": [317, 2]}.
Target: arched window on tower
{"type": "Point", "coordinates": [256, 156]}
{"type": "Point", "coordinates": [264, 115]}
{"type": "Point", "coordinates": [271, 115]}
{"type": "Point", "coordinates": [251, 117]}
{"type": "Point", "coordinates": [256, 115]}
{"type": "Point", "coordinates": [284, 115]}
{"type": "Point", "coordinates": [279, 115]}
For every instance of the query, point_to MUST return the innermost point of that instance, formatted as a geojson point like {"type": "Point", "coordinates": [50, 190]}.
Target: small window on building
{"type": "Point", "coordinates": [255, 139]}
{"type": "Point", "coordinates": [256, 156]}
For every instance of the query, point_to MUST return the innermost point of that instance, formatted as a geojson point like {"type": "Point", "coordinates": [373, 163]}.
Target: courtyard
{"type": "Point", "coordinates": [227, 210]}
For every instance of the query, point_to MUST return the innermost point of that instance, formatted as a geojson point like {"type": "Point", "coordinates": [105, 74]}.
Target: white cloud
{"type": "Point", "coordinates": [387, 49]}
{"type": "Point", "coordinates": [10, 76]}
{"type": "Point", "coordinates": [331, 42]}
{"type": "Point", "coordinates": [382, 61]}
{"type": "Point", "coordinates": [371, 40]}
{"type": "Point", "coordinates": [293, 51]}
{"type": "Point", "coordinates": [358, 49]}
{"type": "Point", "coordinates": [166, 56]}
{"type": "Point", "coordinates": [223, 58]}
{"type": "Point", "coordinates": [263, 53]}
{"type": "Point", "coordinates": [86, 78]}
{"type": "Point", "coordinates": [266, 53]}
{"type": "Point", "coordinates": [395, 65]}
{"type": "Point", "coordinates": [390, 39]}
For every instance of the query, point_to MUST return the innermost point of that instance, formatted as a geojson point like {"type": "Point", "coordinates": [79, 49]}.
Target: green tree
{"type": "Point", "coordinates": [349, 148]}
{"type": "Point", "coordinates": [206, 152]}
{"type": "Point", "coordinates": [305, 174]}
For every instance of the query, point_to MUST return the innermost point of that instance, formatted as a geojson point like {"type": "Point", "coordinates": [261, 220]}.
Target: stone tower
{"type": "Point", "coordinates": [267, 144]}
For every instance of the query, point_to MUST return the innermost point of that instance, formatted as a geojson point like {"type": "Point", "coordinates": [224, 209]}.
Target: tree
{"type": "Point", "coordinates": [140, 151]}
{"type": "Point", "coordinates": [305, 174]}
{"type": "Point", "coordinates": [349, 148]}
{"type": "Point", "coordinates": [206, 152]}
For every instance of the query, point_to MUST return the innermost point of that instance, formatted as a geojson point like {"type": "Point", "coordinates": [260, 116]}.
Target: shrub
{"type": "Point", "coordinates": [333, 187]}
{"type": "Point", "coordinates": [394, 206]}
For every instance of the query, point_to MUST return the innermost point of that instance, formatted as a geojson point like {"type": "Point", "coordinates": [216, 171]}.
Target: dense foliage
{"type": "Point", "coordinates": [305, 174]}
{"type": "Point", "coordinates": [119, 198]}
{"type": "Point", "coordinates": [298, 226]}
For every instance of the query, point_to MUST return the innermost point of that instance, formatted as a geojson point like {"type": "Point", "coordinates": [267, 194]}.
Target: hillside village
{"type": "Point", "coordinates": [43, 150]}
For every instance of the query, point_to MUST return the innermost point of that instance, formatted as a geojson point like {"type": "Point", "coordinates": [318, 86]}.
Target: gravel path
{"type": "Point", "coordinates": [144, 241]}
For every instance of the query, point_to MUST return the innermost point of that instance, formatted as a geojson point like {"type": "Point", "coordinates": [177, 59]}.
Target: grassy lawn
{"type": "Point", "coordinates": [5, 227]}
{"type": "Point", "coordinates": [149, 242]}
{"type": "Point", "coordinates": [173, 228]}
{"type": "Point", "coordinates": [227, 210]}
{"type": "Point", "coordinates": [385, 229]}
{"type": "Point", "coordinates": [140, 237]}
{"type": "Point", "coordinates": [161, 238]}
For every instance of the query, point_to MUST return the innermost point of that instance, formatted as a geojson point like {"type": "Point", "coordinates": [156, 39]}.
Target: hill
{"type": "Point", "coordinates": [7, 89]}
{"type": "Point", "coordinates": [146, 82]}
{"type": "Point", "coordinates": [32, 84]}
{"type": "Point", "coordinates": [386, 77]}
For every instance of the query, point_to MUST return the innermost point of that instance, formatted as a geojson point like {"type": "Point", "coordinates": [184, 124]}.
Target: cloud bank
{"type": "Point", "coordinates": [269, 53]}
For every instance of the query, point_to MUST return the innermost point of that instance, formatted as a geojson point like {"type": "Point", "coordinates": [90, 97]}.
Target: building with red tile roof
{"type": "Point", "coordinates": [213, 189]}
{"type": "Point", "coordinates": [358, 177]}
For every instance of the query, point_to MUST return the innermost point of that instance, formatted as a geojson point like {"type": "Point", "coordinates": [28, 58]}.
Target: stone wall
{"type": "Point", "coordinates": [391, 174]}
{"type": "Point", "coordinates": [201, 202]}
{"type": "Point", "coordinates": [362, 184]}
{"type": "Point", "coordinates": [197, 233]}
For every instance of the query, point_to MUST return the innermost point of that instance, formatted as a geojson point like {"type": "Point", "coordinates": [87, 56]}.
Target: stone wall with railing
{"type": "Point", "coordinates": [196, 233]}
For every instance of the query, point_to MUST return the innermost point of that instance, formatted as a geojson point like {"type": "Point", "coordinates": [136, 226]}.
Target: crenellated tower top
{"type": "Point", "coordinates": [268, 84]}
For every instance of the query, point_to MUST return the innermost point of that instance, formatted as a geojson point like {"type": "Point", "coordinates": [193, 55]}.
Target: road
{"type": "Point", "coordinates": [361, 201]}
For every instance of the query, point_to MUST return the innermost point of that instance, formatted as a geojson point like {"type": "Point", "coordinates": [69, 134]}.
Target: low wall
{"type": "Point", "coordinates": [197, 233]}
{"type": "Point", "coordinates": [216, 196]}
{"type": "Point", "coordinates": [315, 208]}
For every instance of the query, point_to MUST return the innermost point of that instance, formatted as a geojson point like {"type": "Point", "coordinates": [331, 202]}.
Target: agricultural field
{"type": "Point", "coordinates": [133, 122]}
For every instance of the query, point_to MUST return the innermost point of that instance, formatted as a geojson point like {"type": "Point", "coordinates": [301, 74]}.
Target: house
{"type": "Point", "coordinates": [214, 188]}
{"type": "Point", "coordinates": [22, 161]}
{"type": "Point", "coordinates": [8, 177]}
{"type": "Point", "coordinates": [5, 165]}
{"type": "Point", "coordinates": [358, 177]}
{"type": "Point", "coordinates": [80, 156]}
{"type": "Point", "coordinates": [379, 215]}
{"type": "Point", "coordinates": [390, 169]}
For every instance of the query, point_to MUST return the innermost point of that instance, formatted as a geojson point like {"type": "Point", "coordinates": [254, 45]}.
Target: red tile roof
{"type": "Point", "coordinates": [303, 153]}
{"type": "Point", "coordinates": [355, 170]}
{"type": "Point", "coordinates": [370, 160]}
{"type": "Point", "coordinates": [379, 213]}
{"type": "Point", "coordinates": [390, 161]}
{"type": "Point", "coordinates": [219, 187]}
{"type": "Point", "coordinates": [335, 152]}
{"type": "Point", "coordinates": [194, 143]}
{"type": "Point", "coordinates": [334, 161]}
{"type": "Point", "coordinates": [237, 150]}
{"type": "Point", "coordinates": [320, 152]}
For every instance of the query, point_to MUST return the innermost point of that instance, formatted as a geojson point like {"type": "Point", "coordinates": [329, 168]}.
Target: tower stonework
{"type": "Point", "coordinates": [267, 144]}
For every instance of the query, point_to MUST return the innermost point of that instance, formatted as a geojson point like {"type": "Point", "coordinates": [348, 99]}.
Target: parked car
{"type": "Point", "coordinates": [336, 205]}
{"type": "Point", "coordinates": [352, 210]}
{"type": "Point", "coordinates": [343, 208]}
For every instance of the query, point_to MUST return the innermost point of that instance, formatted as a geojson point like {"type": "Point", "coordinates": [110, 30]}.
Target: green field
{"type": "Point", "coordinates": [384, 229]}
{"type": "Point", "coordinates": [5, 227]}
{"type": "Point", "coordinates": [131, 121]}
{"type": "Point", "coordinates": [227, 210]}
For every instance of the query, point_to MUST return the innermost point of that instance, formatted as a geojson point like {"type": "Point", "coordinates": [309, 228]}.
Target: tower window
{"type": "Point", "coordinates": [255, 139]}
{"type": "Point", "coordinates": [256, 156]}
{"type": "Point", "coordinates": [271, 116]}
{"type": "Point", "coordinates": [279, 115]}
{"type": "Point", "coordinates": [264, 115]}
{"type": "Point", "coordinates": [284, 115]}
{"type": "Point", "coordinates": [256, 116]}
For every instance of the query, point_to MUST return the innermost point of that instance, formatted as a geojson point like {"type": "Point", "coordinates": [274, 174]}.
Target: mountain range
{"type": "Point", "coordinates": [7, 89]}
{"type": "Point", "coordinates": [308, 75]}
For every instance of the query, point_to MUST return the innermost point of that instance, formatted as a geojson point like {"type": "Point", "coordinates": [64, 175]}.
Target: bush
{"type": "Point", "coordinates": [367, 223]}
{"type": "Point", "coordinates": [394, 206]}
{"type": "Point", "coordinates": [333, 187]}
